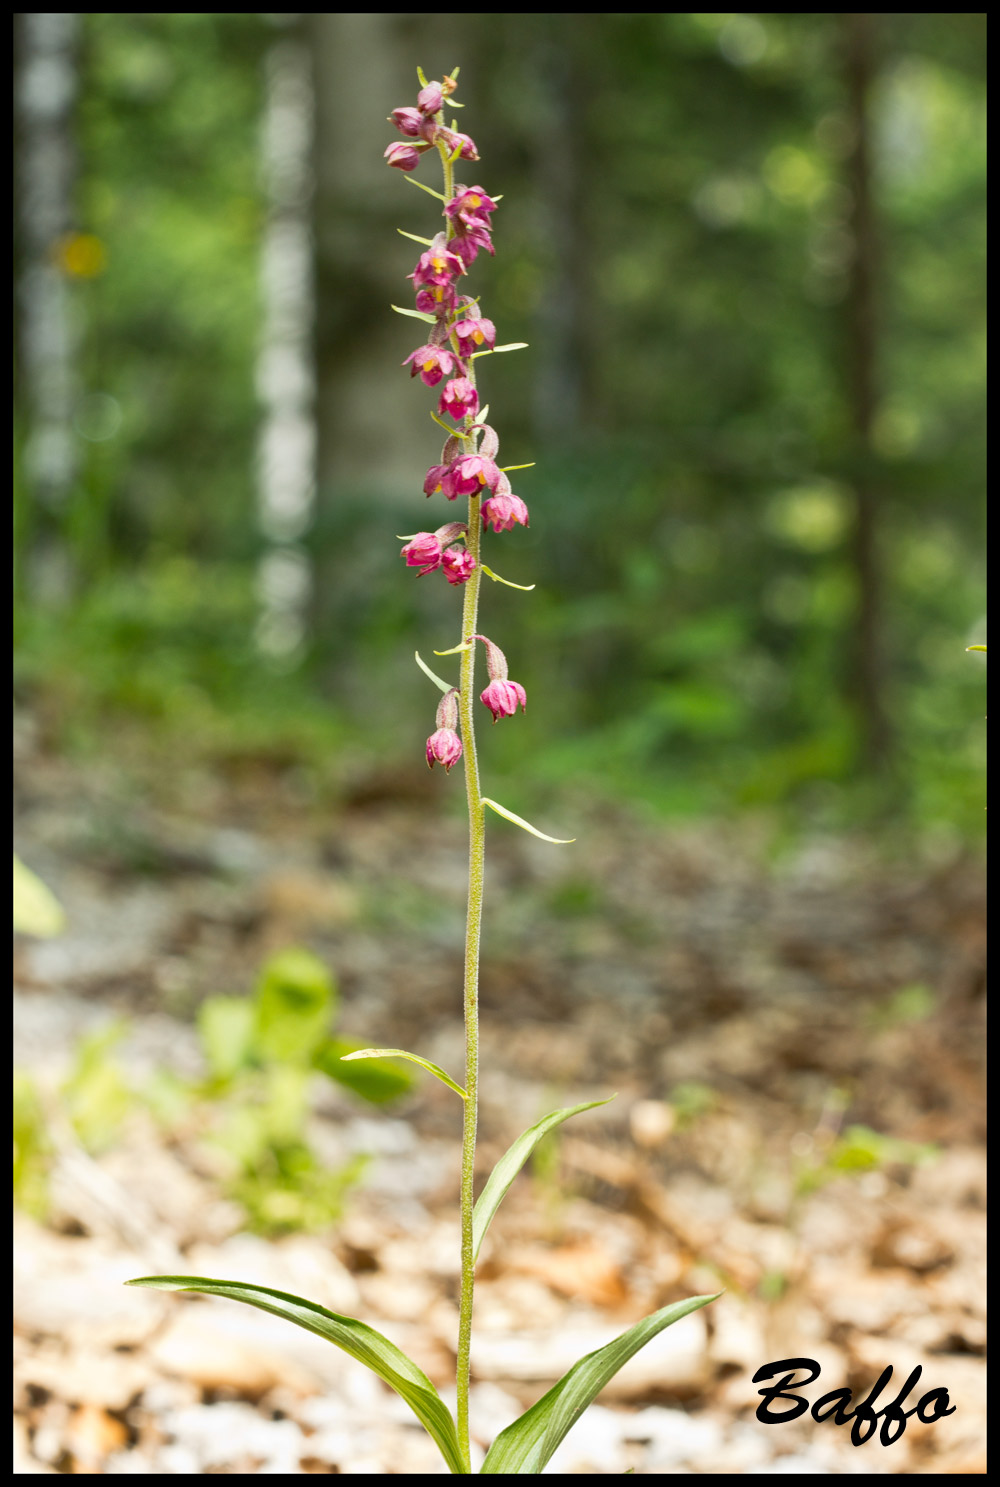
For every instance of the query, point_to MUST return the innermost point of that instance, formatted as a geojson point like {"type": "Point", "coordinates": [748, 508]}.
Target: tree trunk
{"type": "Point", "coordinates": [286, 381]}
{"type": "Point", "coordinates": [46, 55]}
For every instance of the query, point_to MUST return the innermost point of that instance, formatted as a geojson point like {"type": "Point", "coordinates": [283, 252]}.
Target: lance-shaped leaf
{"type": "Point", "coordinates": [415, 1058]}
{"type": "Point", "coordinates": [525, 1447]}
{"type": "Point", "coordinates": [560, 841]}
{"type": "Point", "coordinates": [429, 189]}
{"type": "Point", "coordinates": [357, 1338]}
{"type": "Point", "coordinates": [527, 587]}
{"type": "Point", "coordinates": [510, 1164]}
{"type": "Point", "coordinates": [414, 314]}
{"type": "Point", "coordinates": [445, 686]}
{"type": "Point", "coordinates": [427, 243]}
{"type": "Point", "coordinates": [496, 350]}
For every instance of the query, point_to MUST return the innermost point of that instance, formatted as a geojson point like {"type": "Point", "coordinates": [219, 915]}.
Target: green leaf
{"type": "Point", "coordinates": [975, 647]}
{"type": "Point", "coordinates": [414, 314]}
{"type": "Point", "coordinates": [510, 1164]}
{"type": "Point", "coordinates": [463, 645]}
{"type": "Point", "coordinates": [559, 841]}
{"type": "Point", "coordinates": [373, 1080]}
{"type": "Point", "coordinates": [525, 1447]}
{"type": "Point", "coordinates": [495, 350]}
{"type": "Point", "coordinates": [415, 1058]}
{"type": "Point", "coordinates": [226, 1029]}
{"type": "Point", "coordinates": [445, 686]}
{"type": "Point", "coordinates": [356, 1338]}
{"type": "Point", "coordinates": [527, 587]}
{"type": "Point", "coordinates": [529, 466]}
{"type": "Point", "coordinates": [428, 243]}
{"type": "Point", "coordinates": [37, 911]}
{"type": "Point", "coordinates": [295, 997]}
{"type": "Point", "coordinates": [429, 189]}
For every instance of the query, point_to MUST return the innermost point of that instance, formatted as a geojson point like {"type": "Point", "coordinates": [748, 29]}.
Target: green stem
{"type": "Point", "coordinates": [473, 923]}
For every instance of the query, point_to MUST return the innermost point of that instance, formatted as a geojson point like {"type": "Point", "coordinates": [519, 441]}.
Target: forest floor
{"type": "Point", "coordinates": [795, 1038]}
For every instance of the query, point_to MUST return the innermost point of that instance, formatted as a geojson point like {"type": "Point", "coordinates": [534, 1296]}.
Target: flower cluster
{"type": "Point", "coordinates": [457, 333]}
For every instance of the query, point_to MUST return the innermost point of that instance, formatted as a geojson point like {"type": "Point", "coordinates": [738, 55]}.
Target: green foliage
{"type": "Point", "coordinates": [856, 1151]}
{"type": "Point", "coordinates": [355, 1338]}
{"type": "Point", "coordinates": [32, 1147]}
{"type": "Point", "coordinates": [37, 911]}
{"type": "Point", "coordinates": [262, 1054]}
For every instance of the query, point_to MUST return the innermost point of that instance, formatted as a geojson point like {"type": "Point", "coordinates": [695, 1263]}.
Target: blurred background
{"type": "Point", "coordinates": [747, 253]}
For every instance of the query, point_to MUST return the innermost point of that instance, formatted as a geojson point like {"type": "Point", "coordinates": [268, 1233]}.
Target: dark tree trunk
{"type": "Point", "coordinates": [868, 668]}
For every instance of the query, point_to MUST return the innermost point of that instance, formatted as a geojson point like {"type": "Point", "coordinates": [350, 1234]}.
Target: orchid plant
{"type": "Point", "coordinates": [458, 335]}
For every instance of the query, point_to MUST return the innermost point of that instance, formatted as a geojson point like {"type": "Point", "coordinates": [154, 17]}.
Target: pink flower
{"type": "Point", "coordinates": [503, 510]}
{"type": "Point", "coordinates": [404, 157]}
{"type": "Point", "coordinates": [430, 99]}
{"type": "Point", "coordinates": [423, 552]}
{"type": "Point", "coordinates": [433, 478]}
{"type": "Point", "coordinates": [459, 398]}
{"type": "Point", "coordinates": [473, 333]}
{"type": "Point", "coordinates": [503, 698]}
{"type": "Point", "coordinates": [408, 121]}
{"type": "Point", "coordinates": [444, 747]}
{"type": "Point", "coordinates": [468, 475]}
{"type": "Point", "coordinates": [432, 363]}
{"type": "Point", "coordinates": [468, 243]}
{"type": "Point", "coordinates": [458, 564]}
{"type": "Point", "coordinates": [437, 301]}
{"type": "Point", "coordinates": [471, 205]}
{"type": "Point", "coordinates": [438, 266]}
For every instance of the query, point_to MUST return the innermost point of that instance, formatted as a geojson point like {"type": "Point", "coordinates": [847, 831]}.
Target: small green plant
{"type": "Point", "coordinates": [262, 1054]}
{"type": "Point", "coordinates": [457, 334]}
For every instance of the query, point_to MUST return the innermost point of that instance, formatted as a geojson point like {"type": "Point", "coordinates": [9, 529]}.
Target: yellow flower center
{"type": "Point", "coordinates": [475, 201]}
{"type": "Point", "coordinates": [477, 336]}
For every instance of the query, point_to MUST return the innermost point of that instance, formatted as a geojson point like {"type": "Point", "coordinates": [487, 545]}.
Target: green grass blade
{"type": "Point", "coordinates": [525, 1447]}
{"type": "Point", "coordinates": [510, 1164]}
{"type": "Point", "coordinates": [357, 1338]}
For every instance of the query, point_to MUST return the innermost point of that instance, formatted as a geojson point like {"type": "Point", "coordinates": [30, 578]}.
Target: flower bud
{"type": "Point", "coordinates": [407, 121]}
{"type": "Point", "coordinates": [456, 141]}
{"type": "Point", "coordinates": [430, 99]}
{"type": "Point", "coordinates": [404, 157]}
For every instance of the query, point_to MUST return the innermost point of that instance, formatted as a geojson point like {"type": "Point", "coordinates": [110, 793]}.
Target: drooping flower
{"type": "Point", "coordinates": [459, 398]}
{"type": "Point", "coordinates": [468, 243]}
{"type": "Point", "coordinates": [431, 363]}
{"type": "Point", "coordinates": [503, 698]}
{"type": "Point", "coordinates": [472, 206]}
{"type": "Point", "coordinates": [458, 564]}
{"type": "Point", "coordinates": [503, 510]}
{"type": "Point", "coordinates": [468, 475]}
{"type": "Point", "coordinates": [440, 300]}
{"type": "Point", "coordinates": [403, 157]}
{"type": "Point", "coordinates": [444, 746]}
{"type": "Point", "coordinates": [424, 552]}
{"type": "Point", "coordinates": [473, 333]}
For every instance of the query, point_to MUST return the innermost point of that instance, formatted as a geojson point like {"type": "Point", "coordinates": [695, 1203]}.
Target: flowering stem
{"type": "Point", "coordinates": [473, 924]}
